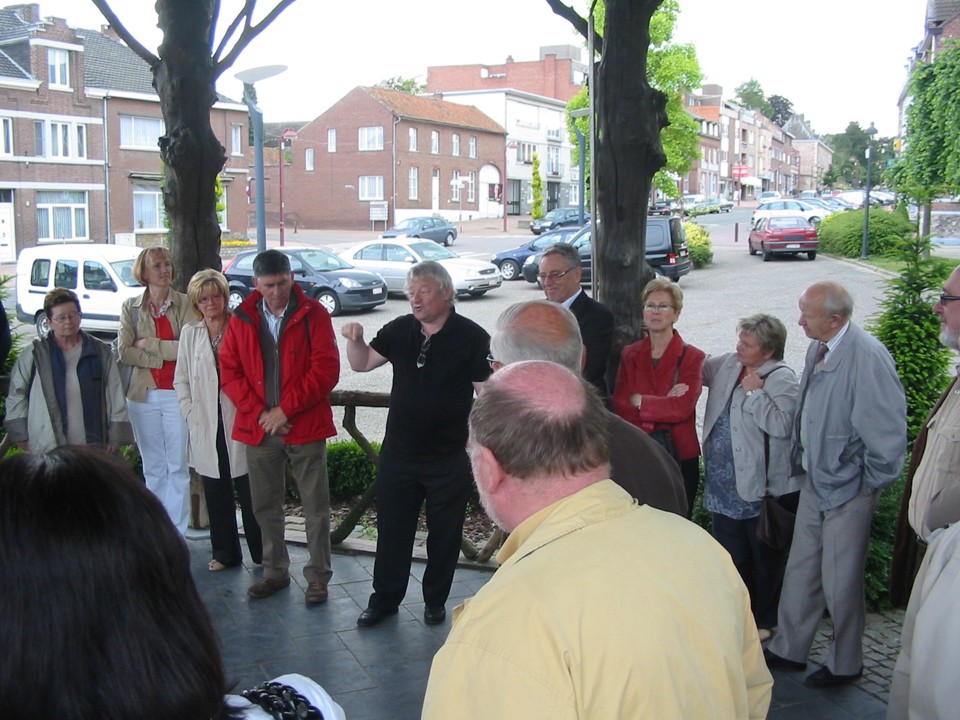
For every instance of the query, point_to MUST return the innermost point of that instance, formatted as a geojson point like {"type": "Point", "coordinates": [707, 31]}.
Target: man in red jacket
{"type": "Point", "coordinates": [278, 363]}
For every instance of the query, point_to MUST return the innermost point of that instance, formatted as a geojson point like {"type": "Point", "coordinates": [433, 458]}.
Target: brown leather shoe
{"type": "Point", "coordinates": [265, 587]}
{"type": "Point", "coordinates": [316, 593]}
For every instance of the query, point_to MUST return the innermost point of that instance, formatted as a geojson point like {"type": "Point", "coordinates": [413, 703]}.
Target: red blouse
{"type": "Point", "coordinates": [163, 376]}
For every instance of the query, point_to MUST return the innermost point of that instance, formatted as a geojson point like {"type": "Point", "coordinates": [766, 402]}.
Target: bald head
{"type": "Point", "coordinates": [540, 419]}
{"type": "Point", "coordinates": [538, 330]}
{"type": "Point", "coordinates": [832, 298]}
{"type": "Point", "coordinates": [825, 307]}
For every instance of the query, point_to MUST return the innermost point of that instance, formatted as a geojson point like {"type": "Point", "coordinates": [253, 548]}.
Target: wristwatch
{"type": "Point", "coordinates": [750, 392]}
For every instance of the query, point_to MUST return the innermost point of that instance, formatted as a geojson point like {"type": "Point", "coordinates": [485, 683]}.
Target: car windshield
{"type": "Point", "coordinates": [124, 269]}
{"type": "Point", "coordinates": [787, 222]}
{"type": "Point", "coordinates": [545, 241]}
{"type": "Point", "coordinates": [322, 261]}
{"type": "Point", "coordinates": [407, 224]}
{"type": "Point", "coordinates": [432, 251]}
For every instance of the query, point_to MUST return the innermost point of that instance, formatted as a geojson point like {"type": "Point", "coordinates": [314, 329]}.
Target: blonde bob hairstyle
{"type": "Point", "coordinates": [662, 284]}
{"type": "Point", "coordinates": [160, 253]}
{"type": "Point", "coordinates": [201, 281]}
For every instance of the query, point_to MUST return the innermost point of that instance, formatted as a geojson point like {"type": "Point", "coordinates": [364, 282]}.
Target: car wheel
{"type": "Point", "coordinates": [43, 326]}
{"type": "Point", "coordinates": [510, 270]}
{"type": "Point", "coordinates": [448, 240]}
{"type": "Point", "coordinates": [767, 255]}
{"type": "Point", "coordinates": [750, 247]}
{"type": "Point", "coordinates": [477, 293]}
{"type": "Point", "coordinates": [812, 255]}
{"type": "Point", "coordinates": [330, 302]}
{"type": "Point", "coordinates": [815, 221]}
{"type": "Point", "coordinates": [235, 298]}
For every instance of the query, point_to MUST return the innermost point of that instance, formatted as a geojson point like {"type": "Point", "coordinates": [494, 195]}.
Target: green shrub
{"type": "Point", "coordinates": [883, 527]}
{"type": "Point", "coordinates": [698, 242]}
{"type": "Point", "coordinates": [842, 233]}
{"type": "Point", "coordinates": [910, 331]}
{"type": "Point", "coordinates": [349, 469]}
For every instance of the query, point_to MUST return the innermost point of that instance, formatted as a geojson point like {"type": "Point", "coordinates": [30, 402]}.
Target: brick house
{"type": "Point", "coordinates": [79, 123]}
{"type": "Point", "coordinates": [419, 155]}
{"type": "Point", "coordinates": [814, 154]}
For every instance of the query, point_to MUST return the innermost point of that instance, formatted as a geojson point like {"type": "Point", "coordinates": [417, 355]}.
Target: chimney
{"type": "Point", "coordinates": [509, 58]}
{"type": "Point", "coordinates": [108, 31]}
{"type": "Point", "coordinates": [438, 94]}
{"type": "Point", "coordinates": [27, 14]}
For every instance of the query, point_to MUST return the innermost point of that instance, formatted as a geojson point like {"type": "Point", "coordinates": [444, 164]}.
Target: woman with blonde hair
{"type": "Point", "coordinates": [149, 338]}
{"type": "Point", "coordinates": [659, 382]}
{"type": "Point", "coordinates": [220, 461]}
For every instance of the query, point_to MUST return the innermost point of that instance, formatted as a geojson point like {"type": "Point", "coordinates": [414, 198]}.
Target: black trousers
{"type": "Point", "coordinates": [222, 510]}
{"type": "Point", "coordinates": [402, 487]}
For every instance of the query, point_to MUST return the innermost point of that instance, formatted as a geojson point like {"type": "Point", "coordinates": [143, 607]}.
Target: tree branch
{"type": "Point", "coordinates": [250, 32]}
{"type": "Point", "coordinates": [580, 24]}
{"type": "Point", "coordinates": [117, 26]}
{"type": "Point", "coordinates": [243, 15]}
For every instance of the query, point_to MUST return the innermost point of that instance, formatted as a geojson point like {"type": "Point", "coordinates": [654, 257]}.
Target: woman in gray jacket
{"type": "Point", "coordinates": [219, 460]}
{"type": "Point", "coordinates": [751, 405]}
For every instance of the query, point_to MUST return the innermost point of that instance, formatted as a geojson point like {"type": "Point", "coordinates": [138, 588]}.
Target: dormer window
{"type": "Point", "coordinates": [58, 68]}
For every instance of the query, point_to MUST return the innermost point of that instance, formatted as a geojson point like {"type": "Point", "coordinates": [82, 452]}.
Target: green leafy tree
{"type": "Point", "coordinates": [536, 185]}
{"type": "Point", "coordinates": [185, 70]}
{"type": "Point", "coordinates": [849, 165]}
{"type": "Point", "coordinates": [407, 85]}
{"type": "Point", "coordinates": [781, 109]}
{"type": "Point", "coordinates": [673, 69]}
{"type": "Point", "coordinates": [750, 95]}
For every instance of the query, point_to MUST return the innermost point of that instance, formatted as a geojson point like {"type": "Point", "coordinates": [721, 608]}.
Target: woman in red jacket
{"type": "Point", "coordinates": [659, 382]}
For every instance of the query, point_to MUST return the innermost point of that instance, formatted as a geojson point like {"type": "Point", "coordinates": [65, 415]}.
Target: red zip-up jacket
{"type": "Point", "coordinates": [309, 369]}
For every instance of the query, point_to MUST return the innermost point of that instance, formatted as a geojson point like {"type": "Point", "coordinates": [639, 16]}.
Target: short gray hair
{"type": "Point", "coordinates": [769, 331]}
{"type": "Point", "coordinates": [530, 438]}
{"type": "Point", "coordinates": [560, 342]}
{"type": "Point", "coordinates": [565, 250]}
{"type": "Point", "coordinates": [434, 270]}
{"type": "Point", "coordinates": [836, 299]}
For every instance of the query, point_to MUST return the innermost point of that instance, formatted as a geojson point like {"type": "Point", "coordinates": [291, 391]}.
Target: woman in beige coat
{"type": "Point", "coordinates": [149, 337]}
{"type": "Point", "coordinates": [219, 460]}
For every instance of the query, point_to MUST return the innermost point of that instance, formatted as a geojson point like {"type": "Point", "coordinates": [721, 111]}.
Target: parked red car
{"type": "Point", "coordinates": [777, 235]}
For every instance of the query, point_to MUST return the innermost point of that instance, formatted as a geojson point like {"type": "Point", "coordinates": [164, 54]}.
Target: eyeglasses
{"type": "Point", "coordinates": [944, 298]}
{"type": "Point", "coordinates": [491, 360]}
{"type": "Point", "coordinates": [543, 277]}
{"type": "Point", "coordinates": [653, 307]}
{"type": "Point", "coordinates": [422, 358]}
{"type": "Point", "coordinates": [69, 317]}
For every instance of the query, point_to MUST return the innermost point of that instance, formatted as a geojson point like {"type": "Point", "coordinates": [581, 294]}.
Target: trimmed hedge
{"type": "Point", "coordinates": [698, 242]}
{"type": "Point", "coordinates": [842, 233]}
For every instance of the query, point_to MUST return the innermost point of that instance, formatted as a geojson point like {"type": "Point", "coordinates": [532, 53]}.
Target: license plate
{"type": "Point", "coordinates": [793, 246]}
{"type": "Point", "coordinates": [378, 291]}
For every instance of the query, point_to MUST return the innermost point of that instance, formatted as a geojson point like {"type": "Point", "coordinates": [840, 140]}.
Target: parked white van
{"type": "Point", "coordinates": [101, 275]}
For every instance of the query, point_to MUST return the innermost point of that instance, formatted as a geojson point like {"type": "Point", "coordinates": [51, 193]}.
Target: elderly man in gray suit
{"type": "Point", "coordinates": [850, 439]}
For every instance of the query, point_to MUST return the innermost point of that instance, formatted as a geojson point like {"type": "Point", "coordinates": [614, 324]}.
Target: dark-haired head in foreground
{"type": "Point", "coordinates": [100, 616]}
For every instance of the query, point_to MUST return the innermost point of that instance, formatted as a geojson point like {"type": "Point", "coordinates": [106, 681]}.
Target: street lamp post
{"type": "Point", "coordinates": [582, 112]}
{"type": "Point", "coordinates": [248, 78]}
{"type": "Point", "coordinates": [287, 134]}
{"type": "Point", "coordinates": [864, 247]}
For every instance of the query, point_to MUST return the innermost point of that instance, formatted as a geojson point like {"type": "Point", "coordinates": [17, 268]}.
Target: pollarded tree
{"type": "Point", "coordinates": [536, 189]}
{"type": "Point", "coordinates": [629, 114]}
{"type": "Point", "coordinates": [185, 71]}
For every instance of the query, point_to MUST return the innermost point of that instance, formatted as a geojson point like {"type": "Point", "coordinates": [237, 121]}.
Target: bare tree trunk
{"type": "Point", "coordinates": [185, 78]}
{"type": "Point", "coordinates": [630, 115]}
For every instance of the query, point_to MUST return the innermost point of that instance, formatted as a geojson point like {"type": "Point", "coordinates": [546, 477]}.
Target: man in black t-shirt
{"type": "Point", "coordinates": [439, 360]}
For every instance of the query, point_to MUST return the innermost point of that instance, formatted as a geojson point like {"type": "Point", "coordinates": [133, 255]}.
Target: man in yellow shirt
{"type": "Point", "coordinates": [601, 608]}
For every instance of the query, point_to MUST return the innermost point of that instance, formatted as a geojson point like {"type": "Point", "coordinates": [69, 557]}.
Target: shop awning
{"type": "Point", "coordinates": [752, 181]}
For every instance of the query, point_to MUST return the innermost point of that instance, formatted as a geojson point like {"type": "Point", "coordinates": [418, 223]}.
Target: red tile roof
{"type": "Point", "coordinates": [430, 109]}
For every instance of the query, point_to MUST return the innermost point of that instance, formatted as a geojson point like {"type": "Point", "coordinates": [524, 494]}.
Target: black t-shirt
{"type": "Point", "coordinates": [430, 405]}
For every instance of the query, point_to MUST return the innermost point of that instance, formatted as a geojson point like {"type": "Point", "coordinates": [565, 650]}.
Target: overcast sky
{"type": "Point", "coordinates": [836, 60]}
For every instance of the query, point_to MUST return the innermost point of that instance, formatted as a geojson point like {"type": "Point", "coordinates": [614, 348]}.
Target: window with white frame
{"type": "Point", "coordinates": [472, 146]}
{"type": "Point", "coordinates": [6, 136]}
{"type": "Point", "coordinates": [553, 160]}
{"type": "Point", "coordinates": [58, 68]}
{"type": "Point", "coordinates": [148, 210]}
{"type": "Point", "coordinates": [236, 139]}
{"type": "Point", "coordinates": [412, 135]}
{"type": "Point", "coordinates": [413, 184]}
{"type": "Point", "coordinates": [331, 140]}
{"type": "Point", "coordinates": [59, 139]}
{"type": "Point", "coordinates": [371, 187]}
{"type": "Point", "coordinates": [308, 159]}
{"type": "Point", "coordinates": [370, 138]}
{"type": "Point", "coordinates": [525, 152]}
{"type": "Point", "coordinates": [456, 145]}
{"type": "Point", "coordinates": [435, 142]}
{"type": "Point", "coordinates": [141, 133]}
{"type": "Point", "coordinates": [471, 187]}
{"type": "Point", "coordinates": [455, 186]}
{"type": "Point", "coordinates": [62, 215]}
{"type": "Point", "coordinates": [39, 138]}
{"type": "Point", "coordinates": [81, 147]}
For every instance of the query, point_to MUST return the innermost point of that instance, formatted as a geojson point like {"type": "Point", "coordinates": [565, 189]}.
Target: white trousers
{"type": "Point", "coordinates": [161, 435]}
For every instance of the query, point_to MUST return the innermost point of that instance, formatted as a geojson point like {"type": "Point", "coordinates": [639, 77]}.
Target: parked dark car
{"type": "Point", "coordinates": [710, 205]}
{"type": "Point", "coordinates": [662, 207]}
{"type": "Point", "coordinates": [332, 281]}
{"type": "Point", "coordinates": [510, 261]}
{"type": "Point", "coordinates": [430, 228]}
{"type": "Point", "coordinates": [561, 217]}
{"type": "Point", "coordinates": [779, 235]}
{"type": "Point", "coordinates": [666, 252]}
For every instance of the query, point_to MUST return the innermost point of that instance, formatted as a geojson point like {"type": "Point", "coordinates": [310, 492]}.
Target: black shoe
{"type": "Point", "coordinates": [434, 615]}
{"type": "Point", "coordinates": [775, 661]}
{"type": "Point", "coordinates": [374, 616]}
{"type": "Point", "coordinates": [823, 678]}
